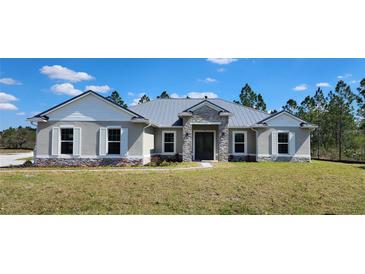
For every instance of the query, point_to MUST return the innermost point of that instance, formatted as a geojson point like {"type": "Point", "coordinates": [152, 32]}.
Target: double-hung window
{"type": "Point", "coordinates": [67, 140]}
{"type": "Point", "coordinates": [239, 142]}
{"type": "Point", "coordinates": [283, 142]}
{"type": "Point", "coordinates": [168, 142]}
{"type": "Point", "coordinates": [113, 141]}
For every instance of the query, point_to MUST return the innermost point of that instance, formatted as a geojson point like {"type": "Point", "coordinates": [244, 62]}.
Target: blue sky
{"type": "Point", "coordinates": [29, 86]}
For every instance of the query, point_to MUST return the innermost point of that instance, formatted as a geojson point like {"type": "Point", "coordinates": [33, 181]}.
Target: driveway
{"type": "Point", "coordinates": [11, 159]}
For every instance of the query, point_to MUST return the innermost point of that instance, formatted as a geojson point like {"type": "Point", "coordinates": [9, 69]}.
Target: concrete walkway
{"type": "Point", "coordinates": [154, 169]}
{"type": "Point", "coordinates": [11, 159]}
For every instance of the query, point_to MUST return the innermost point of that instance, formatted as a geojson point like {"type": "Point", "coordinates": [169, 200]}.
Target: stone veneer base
{"type": "Point", "coordinates": [73, 162]}
{"type": "Point", "coordinates": [283, 159]}
{"type": "Point", "coordinates": [243, 158]}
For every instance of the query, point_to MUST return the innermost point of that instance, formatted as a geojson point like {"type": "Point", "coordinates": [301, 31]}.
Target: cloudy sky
{"type": "Point", "coordinates": [29, 86]}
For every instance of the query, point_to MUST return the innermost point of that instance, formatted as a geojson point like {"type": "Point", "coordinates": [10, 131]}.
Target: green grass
{"type": "Point", "coordinates": [229, 188]}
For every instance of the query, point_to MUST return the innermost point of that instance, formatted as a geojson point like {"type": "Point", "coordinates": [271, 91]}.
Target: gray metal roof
{"type": "Point", "coordinates": [164, 112]}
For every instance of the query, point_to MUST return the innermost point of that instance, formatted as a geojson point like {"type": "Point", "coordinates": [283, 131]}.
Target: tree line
{"type": "Point", "coordinates": [339, 115]}
{"type": "Point", "coordinates": [18, 138]}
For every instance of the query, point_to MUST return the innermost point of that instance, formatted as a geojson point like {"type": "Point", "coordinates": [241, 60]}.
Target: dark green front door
{"type": "Point", "coordinates": [204, 146]}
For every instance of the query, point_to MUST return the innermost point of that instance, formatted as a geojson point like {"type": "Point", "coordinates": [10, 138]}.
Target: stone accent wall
{"type": "Point", "coordinates": [91, 162]}
{"type": "Point", "coordinates": [187, 150]}
{"type": "Point", "coordinates": [205, 114]}
{"type": "Point", "coordinates": [271, 158]}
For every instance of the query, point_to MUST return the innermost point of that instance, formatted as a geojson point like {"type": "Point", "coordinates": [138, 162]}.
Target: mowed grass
{"type": "Point", "coordinates": [228, 188]}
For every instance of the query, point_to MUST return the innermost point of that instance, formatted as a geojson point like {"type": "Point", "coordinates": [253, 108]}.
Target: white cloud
{"type": "Point", "coordinates": [7, 106]}
{"type": "Point", "coordinates": [196, 94]}
{"type": "Point", "coordinates": [65, 88]}
{"type": "Point", "coordinates": [221, 70]}
{"type": "Point", "coordinates": [5, 97]}
{"type": "Point", "coordinates": [175, 95]}
{"type": "Point", "coordinates": [354, 81]}
{"type": "Point", "coordinates": [101, 89]}
{"type": "Point", "coordinates": [301, 87]}
{"type": "Point", "coordinates": [347, 75]}
{"type": "Point", "coordinates": [63, 73]}
{"type": "Point", "coordinates": [20, 113]}
{"type": "Point", "coordinates": [136, 100]}
{"type": "Point", "coordinates": [130, 94]}
{"type": "Point", "coordinates": [9, 81]}
{"type": "Point", "coordinates": [222, 61]}
{"type": "Point", "coordinates": [323, 85]}
{"type": "Point", "coordinates": [209, 80]}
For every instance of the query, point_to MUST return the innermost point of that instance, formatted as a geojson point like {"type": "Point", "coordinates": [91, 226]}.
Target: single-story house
{"type": "Point", "coordinates": [91, 130]}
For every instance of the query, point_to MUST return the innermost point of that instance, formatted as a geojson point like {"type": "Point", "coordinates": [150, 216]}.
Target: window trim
{"type": "Point", "coordinates": [163, 142]}
{"type": "Point", "coordinates": [288, 143]}
{"type": "Point", "coordinates": [107, 140]}
{"type": "Point", "coordinates": [60, 140]}
{"type": "Point", "coordinates": [234, 142]}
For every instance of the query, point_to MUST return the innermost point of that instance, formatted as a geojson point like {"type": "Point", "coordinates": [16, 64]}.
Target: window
{"type": "Point", "coordinates": [283, 142]}
{"type": "Point", "coordinates": [168, 142]}
{"type": "Point", "coordinates": [113, 140]}
{"type": "Point", "coordinates": [239, 139]}
{"type": "Point", "coordinates": [67, 140]}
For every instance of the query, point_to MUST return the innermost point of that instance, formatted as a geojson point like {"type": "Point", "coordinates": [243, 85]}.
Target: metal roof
{"type": "Point", "coordinates": [164, 112]}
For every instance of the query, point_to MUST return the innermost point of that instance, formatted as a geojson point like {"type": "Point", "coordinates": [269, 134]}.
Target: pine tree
{"type": "Point", "coordinates": [164, 95]}
{"type": "Point", "coordinates": [144, 99]}
{"type": "Point", "coordinates": [361, 99]}
{"type": "Point", "coordinates": [115, 97]}
{"type": "Point", "coordinates": [248, 97]}
{"type": "Point", "coordinates": [291, 106]}
{"type": "Point", "coordinates": [260, 103]}
{"type": "Point", "coordinates": [341, 113]}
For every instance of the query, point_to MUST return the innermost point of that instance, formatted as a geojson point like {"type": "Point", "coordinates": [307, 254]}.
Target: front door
{"type": "Point", "coordinates": [204, 146]}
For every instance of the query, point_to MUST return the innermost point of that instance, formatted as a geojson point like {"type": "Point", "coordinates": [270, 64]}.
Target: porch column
{"type": "Point", "coordinates": [187, 151]}
{"type": "Point", "coordinates": [223, 141]}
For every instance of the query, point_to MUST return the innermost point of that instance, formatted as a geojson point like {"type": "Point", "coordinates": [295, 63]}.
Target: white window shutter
{"type": "Point", "coordinates": [274, 142]}
{"type": "Point", "coordinates": [55, 141]}
{"type": "Point", "coordinates": [291, 143]}
{"type": "Point", "coordinates": [124, 141]}
{"type": "Point", "coordinates": [77, 141]}
{"type": "Point", "coordinates": [102, 140]}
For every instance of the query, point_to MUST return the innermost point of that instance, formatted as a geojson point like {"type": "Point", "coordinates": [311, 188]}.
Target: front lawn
{"type": "Point", "coordinates": [229, 188]}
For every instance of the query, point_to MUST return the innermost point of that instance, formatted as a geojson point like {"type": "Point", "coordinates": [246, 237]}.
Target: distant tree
{"type": "Point", "coordinates": [260, 103]}
{"type": "Point", "coordinates": [21, 137]}
{"type": "Point", "coordinates": [164, 95]}
{"type": "Point", "coordinates": [341, 116]}
{"type": "Point", "coordinates": [361, 99]}
{"type": "Point", "coordinates": [273, 111]}
{"type": "Point", "coordinates": [144, 99]}
{"type": "Point", "coordinates": [248, 97]}
{"type": "Point", "coordinates": [115, 97]}
{"type": "Point", "coordinates": [187, 97]}
{"type": "Point", "coordinates": [291, 106]}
